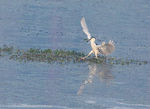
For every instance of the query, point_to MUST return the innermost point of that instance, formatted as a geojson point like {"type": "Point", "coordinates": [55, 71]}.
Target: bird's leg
{"type": "Point", "coordinates": [96, 55]}
{"type": "Point", "coordinates": [87, 55]}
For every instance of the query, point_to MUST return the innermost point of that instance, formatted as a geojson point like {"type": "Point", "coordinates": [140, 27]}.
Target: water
{"type": "Point", "coordinates": [56, 24]}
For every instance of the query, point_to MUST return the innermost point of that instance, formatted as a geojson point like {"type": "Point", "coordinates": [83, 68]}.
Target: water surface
{"type": "Point", "coordinates": [55, 24]}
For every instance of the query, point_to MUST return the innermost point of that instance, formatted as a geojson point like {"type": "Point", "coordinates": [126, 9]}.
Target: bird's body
{"type": "Point", "coordinates": [95, 50]}
{"type": "Point", "coordinates": [104, 49]}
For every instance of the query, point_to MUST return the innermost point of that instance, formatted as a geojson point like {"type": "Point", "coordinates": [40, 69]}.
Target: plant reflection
{"type": "Point", "coordinates": [103, 71]}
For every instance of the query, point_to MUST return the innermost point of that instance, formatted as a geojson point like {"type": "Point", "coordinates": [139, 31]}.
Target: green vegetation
{"type": "Point", "coordinates": [47, 55]}
{"type": "Point", "coordinates": [60, 56]}
{"type": "Point", "coordinates": [5, 50]}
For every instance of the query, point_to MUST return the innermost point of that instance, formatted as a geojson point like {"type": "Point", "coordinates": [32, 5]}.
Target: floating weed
{"type": "Point", "coordinates": [5, 50]}
{"type": "Point", "coordinates": [61, 56]}
{"type": "Point", "coordinates": [145, 62]}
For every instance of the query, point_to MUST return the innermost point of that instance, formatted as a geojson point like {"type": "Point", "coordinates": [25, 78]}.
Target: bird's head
{"type": "Point", "coordinates": [92, 39]}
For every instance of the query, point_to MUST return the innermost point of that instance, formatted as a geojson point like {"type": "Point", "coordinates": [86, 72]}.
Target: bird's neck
{"type": "Point", "coordinates": [93, 44]}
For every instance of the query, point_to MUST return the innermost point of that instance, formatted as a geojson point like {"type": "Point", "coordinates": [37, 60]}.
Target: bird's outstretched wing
{"type": "Point", "coordinates": [106, 48]}
{"type": "Point", "coordinates": [85, 28]}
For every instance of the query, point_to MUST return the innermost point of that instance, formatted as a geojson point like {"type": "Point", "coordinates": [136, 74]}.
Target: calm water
{"type": "Point", "coordinates": [56, 24]}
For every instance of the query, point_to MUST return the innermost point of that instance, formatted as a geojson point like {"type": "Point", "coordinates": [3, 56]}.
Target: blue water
{"type": "Point", "coordinates": [55, 24]}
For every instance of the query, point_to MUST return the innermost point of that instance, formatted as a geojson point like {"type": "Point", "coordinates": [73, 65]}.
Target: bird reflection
{"type": "Point", "coordinates": [103, 71]}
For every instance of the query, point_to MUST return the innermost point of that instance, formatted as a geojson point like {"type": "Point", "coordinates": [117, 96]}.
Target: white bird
{"type": "Point", "coordinates": [104, 49]}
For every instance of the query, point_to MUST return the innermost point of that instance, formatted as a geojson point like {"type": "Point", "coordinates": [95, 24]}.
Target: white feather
{"type": "Point", "coordinates": [106, 48]}
{"type": "Point", "coordinates": [85, 28]}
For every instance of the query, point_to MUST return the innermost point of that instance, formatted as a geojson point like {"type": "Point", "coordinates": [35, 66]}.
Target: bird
{"type": "Point", "coordinates": [104, 48]}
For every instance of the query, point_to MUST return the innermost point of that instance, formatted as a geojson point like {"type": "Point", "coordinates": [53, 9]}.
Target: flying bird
{"type": "Point", "coordinates": [104, 49]}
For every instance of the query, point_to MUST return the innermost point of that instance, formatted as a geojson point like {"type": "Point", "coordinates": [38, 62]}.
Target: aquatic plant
{"type": "Point", "coordinates": [47, 55]}
{"type": "Point", "coordinates": [6, 50]}
{"type": "Point", "coordinates": [61, 56]}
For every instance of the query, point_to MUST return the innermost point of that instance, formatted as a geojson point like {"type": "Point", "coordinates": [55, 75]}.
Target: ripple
{"type": "Point", "coordinates": [139, 105]}
{"type": "Point", "coordinates": [90, 102]}
{"type": "Point", "coordinates": [35, 106]}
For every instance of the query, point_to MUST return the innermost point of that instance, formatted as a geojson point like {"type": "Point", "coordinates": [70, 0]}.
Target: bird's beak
{"type": "Point", "coordinates": [86, 40]}
{"type": "Point", "coordinates": [89, 39]}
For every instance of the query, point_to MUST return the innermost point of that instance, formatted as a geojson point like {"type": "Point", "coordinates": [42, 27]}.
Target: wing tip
{"type": "Point", "coordinates": [82, 19]}
{"type": "Point", "coordinates": [111, 42]}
